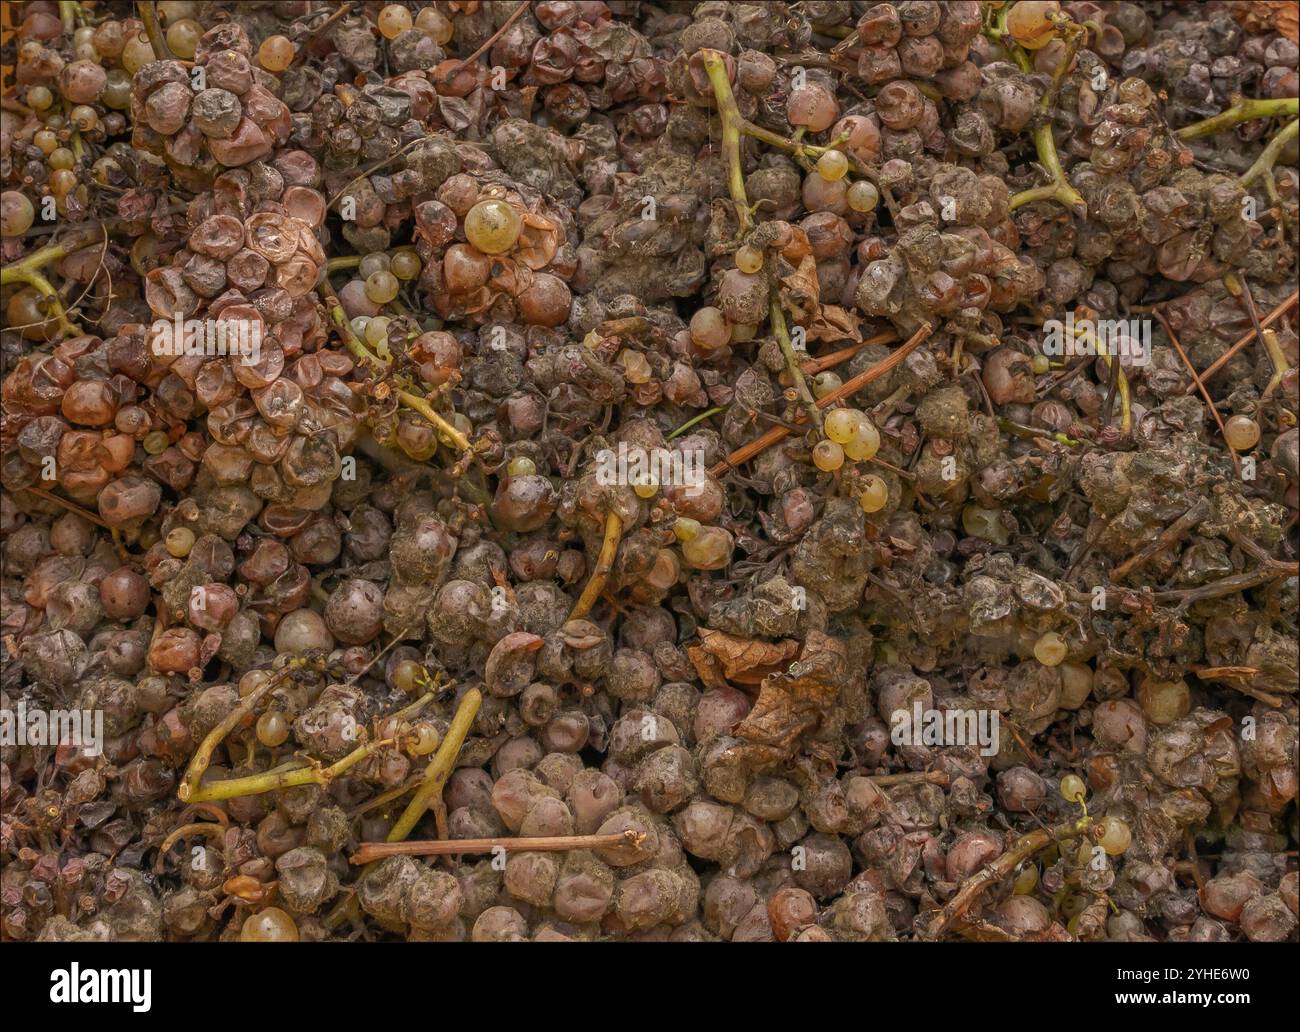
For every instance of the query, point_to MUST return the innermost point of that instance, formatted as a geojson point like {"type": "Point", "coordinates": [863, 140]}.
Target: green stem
{"type": "Point", "coordinates": [716, 67]}
{"type": "Point", "coordinates": [693, 420]}
{"type": "Point", "coordinates": [439, 769]}
{"type": "Point", "coordinates": [1243, 110]}
{"type": "Point", "coordinates": [1264, 163]}
{"type": "Point", "coordinates": [791, 359]}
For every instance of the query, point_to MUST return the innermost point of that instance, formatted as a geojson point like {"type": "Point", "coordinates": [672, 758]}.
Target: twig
{"type": "Point", "coordinates": [1199, 383]}
{"type": "Point", "coordinates": [1243, 110]}
{"type": "Point", "coordinates": [149, 18]}
{"type": "Point", "coordinates": [715, 66]}
{"type": "Point", "coordinates": [1238, 677]}
{"type": "Point", "coordinates": [440, 767]}
{"type": "Point", "coordinates": [1171, 535]}
{"type": "Point", "coordinates": [369, 851]}
{"type": "Point", "coordinates": [1268, 157]}
{"type": "Point", "coordinates": [85, 514]}
{"type": "Point", "coordinates": [487, 43]}
{"type": "Point", "coordinates": [694, 420]}
{"type": "Point", "coordinates": [778, 433]}
{"type": "Point", "coordinates": [974, 886]}
{"type": "Point", "coordinates": [1228, 585]}
{"type": "Point", "coordinates": [604, 563]}
{"type": "Point", "coordinates": [1244, 341]}
{"type": "Point", "coordinates": [924, 777]}
{"type": "Point", "coordinates": [782, 335]}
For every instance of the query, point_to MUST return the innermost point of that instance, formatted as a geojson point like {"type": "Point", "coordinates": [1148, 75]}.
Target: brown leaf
{"type": "Point", "coordinates": [833, 323]}
{"type": "Point", "coordinates": [706, 666]}
{"type": "Point", "coordinates": [800, 291]}
{"type": "Point", "coordinates": [748, 660]}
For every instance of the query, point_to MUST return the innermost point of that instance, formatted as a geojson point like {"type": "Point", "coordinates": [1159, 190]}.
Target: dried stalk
{"type": "Point", "coordinates": [604, 563]}
{"type": "Point", "coordinates": [1244, 341]}
{"type": "Point", "coordinates": [1242, 110]}
{"type": "Point", "coordinates": [440, 767]}
{"type": "Point", "coordinates": [370, 851]}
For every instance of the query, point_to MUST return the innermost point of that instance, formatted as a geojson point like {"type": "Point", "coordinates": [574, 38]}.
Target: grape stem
{"type": "Point", "coordinates": [694, 420]}
{"type": "Point", "coordinates": [974, 886]}
{"type": "Point", "coordinates": [604, 563]}
{"type": "Point", "coordinates": [1199, 383]}
{"type": "Point", "coordinates": [1059, 189]}
{"type": "Point", "coordinates": [149, 18]}
{"type": "Point", "coordinates": [1264, 163]}
{"type": "Point", "coordinates": [792, 360]}
{"type": "Point", "coordinates": [439, 770]}
{"type": "Point", "coordinates": [27, 270]}
{"type": "Point", "coordinates": [369, 851]}
{"type": "Point", "coordinates": [1242, 110]}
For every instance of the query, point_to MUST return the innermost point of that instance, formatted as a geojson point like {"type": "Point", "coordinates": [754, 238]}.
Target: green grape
{"type": "Point", "coordinates": [269, 925]}
{"type": "Point", "coordinates": [381, 287]}
{"type": "Point", "coordinates": [493, 226]}
{"type": "Point", "coordinates": [405, 265]}
{"type": "Point", "coordinates": [862, 196]}
{"type": "Point", "coordinates": [1073, 789]}
{"type": "Point", "coordinates": [376, 261]}
{"type": "Point", "coordinates": [272, 729]}
{"type": "Point", "coordinates": [16, 213]}
{"type": "Point", "coordinates": [832, 165]}
{"type": "Point", "coordinates": [874, 494]}
{"type": "Point", "coordinates": [827, 456]}
{"type": "Point", "coordinates": [841, 424]}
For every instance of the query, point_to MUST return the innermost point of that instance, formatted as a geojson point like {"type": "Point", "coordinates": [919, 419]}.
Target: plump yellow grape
{"type": "Point", "coordinates": [16, 213]}
{"type": "Point", "coordinates": [252, 681]}
{"type": "Point", "coordinates": [1026, 881]}
{"type": "Point", "coordinates": [865, 443]}
{"type": "Point", "coordinates": [62, 182]}
{"type": "Point", "coordinates": [394, 20]}
{"type": "Point", "coordinates": [179, 541]}
{"type": "Point", "coordinates": [83, 117]}
{"type": "Point", "coordinates": [155, 442]}
{"type": "Point", "coordinates": [841, 424]}
{"type": "Point", "coordinates": [117, 90]}
{"type": "Point", "coordinates": [407, 676]}
{"type": "Point", "coordinates": [405, 265]}
{"type": "Point", "coordinates": [39, 98]}
{"type": "Point", "coordinates": [61, 158]}
{"type": "Point", "coordinates": [686, 529]}
{"type": "Point", "coordinates": [1073, 789]}
{"type": "Point", "coordinates": [381, 287]}
{"type": "Point", "coordinates": [825, 383]}
{"type": "Point", "coordinates": [493, 226]}
{"type": "Point", "coordinates": [862, 196]}
{"type": "Point", "coordinates": [749, 259]}
{"type": "Point", "coordinates": [269, 925]}
{"type": "Point", "coordinates": [272, 729]}
{"type": "Point", "coordinates": [1041, 364]}
{"type": "Point", "coordinates": [275, 54]}
{"type": "Point", "coordinates": [832, 165]}
{"type": "Point", "coordinates": [423, 739]}
{"type": "Point", "coordinates": [436, 24]}
{"type": "Point", "coordinates": [874, 493]}
{"type": "Point", "coordinates": [710, 549]}
{"type": "Point", "coordinates": [183, 38]}
{"type": "Point", "coordinates": [521, 466]}
{"type": "Point", "coordinates": [377, 330]}
{"type": "Point", "coordinates": [646, 487]}
{"type": "Point", "coordinates": [1050, 649]}
{"type": "Point", "coordinates": [709, 328]}
{"type": "Point", "coordinates": [137, 52]}
{"type": "Point", "coordinates": [1030, 22]}
{"type": "Point", "coordinates": [827, 456]}
{"type": "Point", "coordinates": [1115, 835]}
{"type": "Point", "coordinates": [1241, 433]}
{"type": "Point", "coordinates": [46, 140]}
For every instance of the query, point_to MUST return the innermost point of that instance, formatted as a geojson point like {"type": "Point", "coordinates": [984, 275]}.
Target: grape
{"type": "Point", "coordinates": [686, 529]}
{"type": "Point", "coordinates": [16, 213]}
{"type": "Point", "coordinates": [646, 486]}
{"type": "Point", "coordinates": [811, 106]}
{"type": "Point", "coordinates": [272, 729]}
{"type": "Point", "coordinates": [174, 10]}
{"type": "Point", "coordinates": [1241, 433]}
{"type": "Point", "coordinates": [109, 38]}
{"type": "Point", "coordinates": [252, 681]}
{"type": "Point", "coordinates": [1041, 364]}
{"type": "Point", "coordinates": [749, 259]}
{"type": "Point", "coordinates": [407, 676]}
{"type": "Point", "coordinates": [710, 549]}
{"type": "Point", "coordinates": [1050, 649]}
{"type": "Point", "coordinates": [275, 54]}
{"type": "Point", "coordinates": [436, 24]}
{"type": "Point", "coordinates": [183, 38]}
{"type": "Point", "coordinates": [61, 158]}
{"type": "Point", "coordinates": [179, 541]}
{"type": "Point", "coordinates": [1073, 789]}
{"type": "Point", "coordinates": [493, 226]}
{"type": "Point", "coordinates": [1026, 881]}
{"type": "Point", "coordinates": [862, 196]}
{"type": "Point", "coordinates": [359, 324]}
{"type": "Point", "coordinates": [62, 182]}
{"type": "Point", "coordinates": [394, 20]}
{"type": "Point", "coordinates": [46, 141]}
{"type": "Point", "coordinates": [842, 424]}
{"type": "Point", "coordinates": [984, 523]}
{"type": "Point", "coordinates": [709, 328]}
{"type": "Point", "coordinates": [376, 331]}
{"type": "Point", "coordinates": [137, 52]}
{"type": "Point", "coordinates": [825, 383]}
{"type": "Point", "coordinates": [875, 493]}
{"type": "Point", "coordinates": [742, 333]}
{"type": "Point", "coordinates": [376, 261]}
{"type": "Point", "coordinates": [521, 466]}
{"type": "Point", "coordinates": [423, 739]}
{"type": "Point", "coordinates": [117, 90]}
{"type": "Point", "coordinates": [832, 165]}
{"type": "Point", "coordinates": [1115, 836]}
{"type": "Point", "coordinates": [155, 442]}
{"type": "Point", "coordinates": [822, 195]}
{"type": "Point", "coordinates": [405, 265]}
{"type": "Point", "coordinates": [636, 368]}
{"type": "Point", "coordinates": [83, 117]}
{"type": "Point", "coordinates": [39, 98]}
{"type": "Point", "coordinates": [865, 443]}
{"type": "Point", "coordinates": [827, 456]}
{"type": "Point", "coordinates": [269, 925]}
{"type": "Point", "coordinates": [381, 287]}
{"type": "Point", "coordinates": [1029, 22]}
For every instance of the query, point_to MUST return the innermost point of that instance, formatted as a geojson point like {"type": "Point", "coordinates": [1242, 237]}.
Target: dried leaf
{"type": "Point", "coordinates": [833, 323]}
{"type": "Point", "coordinates": [747, 660]}
{"type": "Point", "coordinates": [793, 703]}
{"type": "Point", "coordinates": [800, 291]}
{"type": "Point", "coordinates": [706, 666]}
